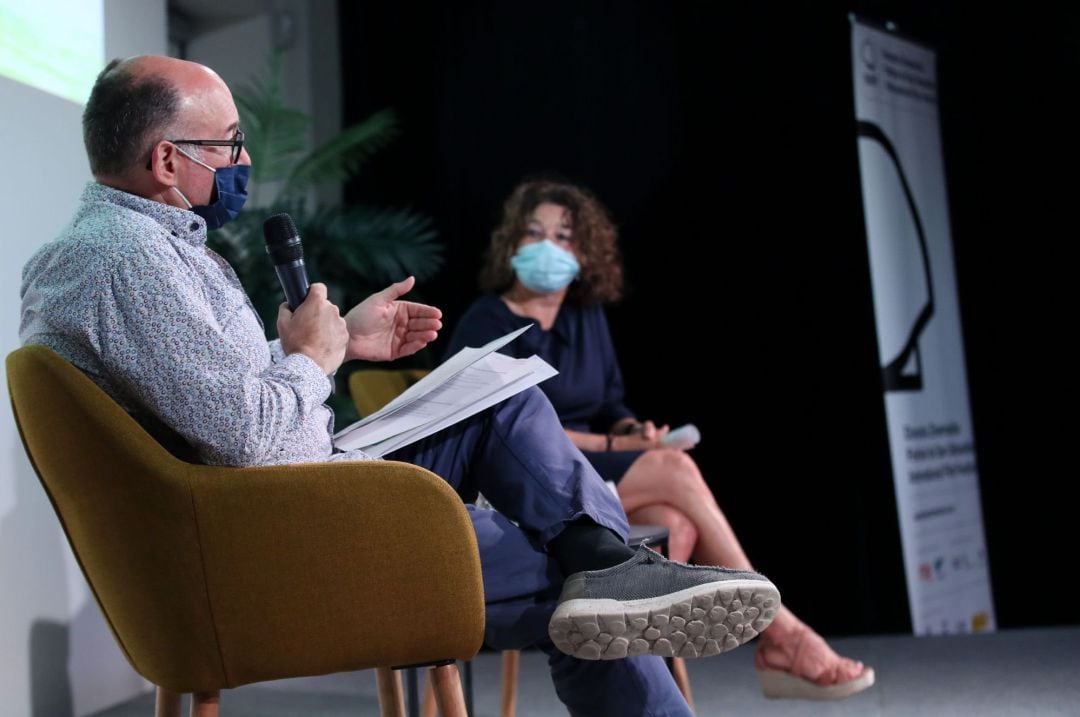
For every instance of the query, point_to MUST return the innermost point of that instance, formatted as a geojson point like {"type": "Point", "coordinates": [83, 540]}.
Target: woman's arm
{"type": "Point", "coordinates": [626, 435]}
{"type": "Point", "coordinates": [595, 442]}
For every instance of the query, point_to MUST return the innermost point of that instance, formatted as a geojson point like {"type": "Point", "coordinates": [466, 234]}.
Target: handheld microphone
{"type": "Point", "coordinates": [283, 246]}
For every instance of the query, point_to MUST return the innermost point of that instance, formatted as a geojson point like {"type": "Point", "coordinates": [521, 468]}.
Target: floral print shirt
{"type": "Point", "coordinates": [131, 294]}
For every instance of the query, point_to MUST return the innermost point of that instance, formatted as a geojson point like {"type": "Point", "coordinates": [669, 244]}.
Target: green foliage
{"type": "Point", "coordinates": [353, 250]}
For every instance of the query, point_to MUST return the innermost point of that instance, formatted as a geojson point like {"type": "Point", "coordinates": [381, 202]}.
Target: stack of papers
{"type": "Point", "coordinates": [468, 382]}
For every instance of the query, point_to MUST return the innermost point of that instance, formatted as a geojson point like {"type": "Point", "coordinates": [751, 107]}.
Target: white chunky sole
{"type": "Point", "coordinates": [782, 685]}
{"type": "Point", "coordinates": [697, 622]}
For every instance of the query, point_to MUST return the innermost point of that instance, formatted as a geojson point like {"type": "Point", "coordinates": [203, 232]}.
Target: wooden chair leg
{"type": "Point", "coordinates": [205, 704]}
{"type": "Point", "coordinates": [391, 696]}
{"type": "Point", "coordinates": [428, 708]}
{"type": "Point", "coordinates": [166, 703]}
{"type": "Point", "coordinates": [448, 694]}
{"type": "Point", "coordinates": [510, 661]}
{"type": "Point", "coordinates": [682, 679]}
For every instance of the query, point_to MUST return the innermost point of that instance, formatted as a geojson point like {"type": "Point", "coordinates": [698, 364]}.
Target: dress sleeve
{"type": "Point", "coordinates": [613, 407]}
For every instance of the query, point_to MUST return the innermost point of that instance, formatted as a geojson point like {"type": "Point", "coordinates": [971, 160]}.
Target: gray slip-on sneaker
{"type": "Point", "coordinates": [650, 605]}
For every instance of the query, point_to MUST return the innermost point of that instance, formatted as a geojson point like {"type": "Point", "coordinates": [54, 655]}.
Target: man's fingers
{"type": "Point", "coordinates": [432, 324]}
{"type": "Point", "coordinates": [421, 336]}
{"type": "Point", "coordinates": [317, 291]}
{"type": "Point", "coordinates": [397, 289]}
{"type": "Point", "coordinates": [423, 311]}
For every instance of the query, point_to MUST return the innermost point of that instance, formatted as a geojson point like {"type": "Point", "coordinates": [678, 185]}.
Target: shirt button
{"type": "Point", "coordinates": [194, 226]}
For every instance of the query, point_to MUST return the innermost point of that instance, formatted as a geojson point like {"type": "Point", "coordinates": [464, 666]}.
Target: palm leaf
{"type": "Point", "coordinates": [276, 133]}
{"type": "Point", "coordinates": [340, 158]}
{"type": "Point", "coordinates": [366, 248]}
{"type": "Point", "coordinates": [353, 251]}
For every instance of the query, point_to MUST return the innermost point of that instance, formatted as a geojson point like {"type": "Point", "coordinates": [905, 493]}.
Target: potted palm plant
{"type": "Point", "coordinates": [354, 250]}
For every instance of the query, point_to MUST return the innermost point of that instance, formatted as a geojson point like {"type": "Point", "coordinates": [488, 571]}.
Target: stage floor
{"type": "Point", "coordinates": [1008, 673]}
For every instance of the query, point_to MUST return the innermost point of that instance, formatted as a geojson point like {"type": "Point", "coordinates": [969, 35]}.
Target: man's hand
{"type": "Point", "coordinates": [382, 328]}
{"type": "Point", "coordinates": [315, 329]}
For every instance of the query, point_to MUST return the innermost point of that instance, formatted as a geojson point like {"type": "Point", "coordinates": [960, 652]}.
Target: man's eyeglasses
{"type": "Point", "coordinates": [237, 144]}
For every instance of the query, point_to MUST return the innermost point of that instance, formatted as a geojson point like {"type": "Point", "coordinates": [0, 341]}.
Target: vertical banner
{"type": "Point", "coordinates": [919, 338]}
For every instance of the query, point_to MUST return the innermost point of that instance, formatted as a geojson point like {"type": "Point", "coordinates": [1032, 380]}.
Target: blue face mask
{"type": "Point", "coordinates": [230, 184]}
{"type": "Point", "coordinates": [544, 267]}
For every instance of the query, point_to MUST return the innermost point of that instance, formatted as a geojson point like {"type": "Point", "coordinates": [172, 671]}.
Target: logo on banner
{"type": "Point", "coordinates": [903, 372]}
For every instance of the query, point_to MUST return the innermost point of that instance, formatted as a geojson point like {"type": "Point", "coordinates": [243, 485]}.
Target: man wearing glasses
{"type": "Point", "coordinates": [230, 182]}
{"type": "Point", "coordinates": [131, 294]}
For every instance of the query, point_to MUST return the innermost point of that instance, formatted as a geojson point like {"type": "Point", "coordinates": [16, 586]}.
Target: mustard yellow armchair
{"type": "Point", "coordinates": [373, 388]}
{"type": "Point", "coordinates": [212, 578]}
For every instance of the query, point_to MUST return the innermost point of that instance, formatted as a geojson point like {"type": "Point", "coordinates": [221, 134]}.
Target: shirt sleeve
{"type": "Point", "coordinates": [162, 339]}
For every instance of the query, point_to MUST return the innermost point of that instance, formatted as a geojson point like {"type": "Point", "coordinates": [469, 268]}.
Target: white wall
{"type": "Point", "coordinates": [59, 658]}
{"type": "Point", "coordinates": [310, 70]}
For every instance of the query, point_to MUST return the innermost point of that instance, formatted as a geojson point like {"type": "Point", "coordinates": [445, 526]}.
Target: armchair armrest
{"type": "Point", "coordinates": [325, 567]}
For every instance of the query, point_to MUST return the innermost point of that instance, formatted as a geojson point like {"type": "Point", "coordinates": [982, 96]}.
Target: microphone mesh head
{"type": "Point", "coordinates": [282, 239]}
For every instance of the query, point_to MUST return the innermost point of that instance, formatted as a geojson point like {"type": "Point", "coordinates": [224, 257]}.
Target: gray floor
{"type": "Point", "coordinates": [1018, 672]}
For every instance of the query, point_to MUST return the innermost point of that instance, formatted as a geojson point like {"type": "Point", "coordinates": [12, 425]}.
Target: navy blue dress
{"type": "Point", "coordinates": [588, 392]}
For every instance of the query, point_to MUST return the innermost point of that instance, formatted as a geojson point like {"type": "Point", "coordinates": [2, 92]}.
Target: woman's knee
{"type": "Point", "coordinates": [677, 468]}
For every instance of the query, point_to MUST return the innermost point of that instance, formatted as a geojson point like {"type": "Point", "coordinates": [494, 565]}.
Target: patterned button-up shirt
{"type": "Point", "coordinates": [131, 294]}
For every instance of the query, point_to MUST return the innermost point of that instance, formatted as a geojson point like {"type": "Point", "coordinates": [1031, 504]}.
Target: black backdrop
{"type": "Point", "coordinates": [722, 140]}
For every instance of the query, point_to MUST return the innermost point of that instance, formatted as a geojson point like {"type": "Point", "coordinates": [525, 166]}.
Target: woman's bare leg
{"type": "Point", "coordinates": [682, 535]}
{"type": "Point", "coordinates": [670, 477]}
{"type": "Point", "coordinates": [789, 644]}
{"type": "Point", "coordinates": [662, 480]}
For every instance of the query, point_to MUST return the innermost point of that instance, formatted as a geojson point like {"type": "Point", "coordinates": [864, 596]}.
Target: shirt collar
{"type": "Point", "coordinates": [182, 223]}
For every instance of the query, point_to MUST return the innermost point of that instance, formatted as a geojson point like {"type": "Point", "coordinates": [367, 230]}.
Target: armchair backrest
{"type": "Point", "coordinates": [126, 508]}
{"type": "Point", "coordinates": [373, 388]}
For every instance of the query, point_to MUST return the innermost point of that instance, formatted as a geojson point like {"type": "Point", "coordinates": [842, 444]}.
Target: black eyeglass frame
{"type": "Point", "coordinates": [237, 143]}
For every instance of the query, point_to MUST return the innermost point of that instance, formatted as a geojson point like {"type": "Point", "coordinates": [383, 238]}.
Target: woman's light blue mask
{"type": "Point", "coordinates": [545, 267]}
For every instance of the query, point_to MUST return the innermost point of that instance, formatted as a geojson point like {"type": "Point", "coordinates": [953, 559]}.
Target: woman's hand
{"type": "Point", "coordinates": [636, 436]}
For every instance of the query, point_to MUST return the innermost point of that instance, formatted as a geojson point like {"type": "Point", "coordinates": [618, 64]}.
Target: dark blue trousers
{"type": "Point", "coordinates": [517, 454]}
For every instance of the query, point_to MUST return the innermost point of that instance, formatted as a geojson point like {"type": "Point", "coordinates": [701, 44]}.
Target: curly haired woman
{"type": "Point", "coordinates": [554, 261]}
